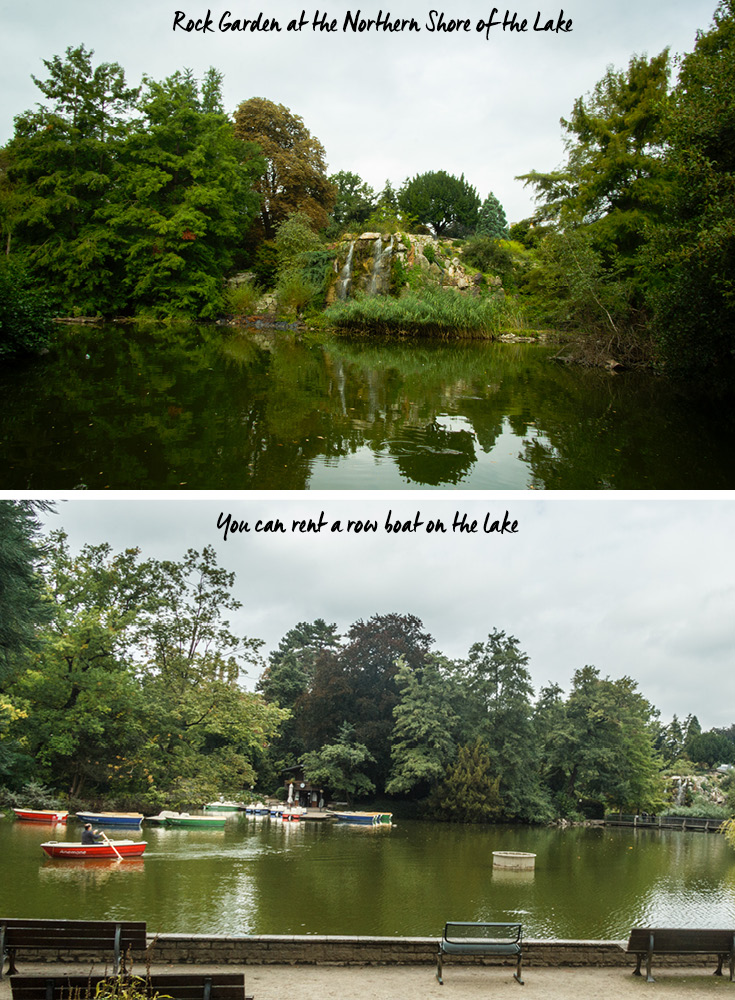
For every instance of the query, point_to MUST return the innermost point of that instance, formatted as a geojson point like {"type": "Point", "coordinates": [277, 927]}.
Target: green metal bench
{"type": "Point", "coordinates": [645, 942]}
{"type": "Point", "coordinates": [117, 937]}
{"type": "Point", "coordinates": [499, 940]}
{"type": "Point", "coordinates": [173, 985]}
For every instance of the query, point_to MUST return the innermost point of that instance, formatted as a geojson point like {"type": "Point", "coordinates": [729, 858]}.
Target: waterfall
{"type": "Point", "coordinates": [345, 275]}
{"type": "Point", "coordinates": [380, 256]}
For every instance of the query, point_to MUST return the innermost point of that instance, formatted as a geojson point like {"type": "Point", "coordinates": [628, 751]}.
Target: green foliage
{"type": "Point", "coordinates": [355, 200]}
{"type": "Point", "coordinates": [692, 256]}
{"type": "Point", "coordinates": [430, 312]}
{"type": "Point", "coordinates": [492, 256]}
{"type": "Point", "coordinates": [423, 744]}
{"type": "Point", "coordinates": [295, 237]}
{"type": "Point", "coordinates": [23, 605]}
{"type": "Point", "coordinates": [25, 315]}
{"type": "Point", "coordinates": [599, 746]}
{"type": "Point", "coordinates": [470, 792]}
{"type": "Point", "coordinates": [491, 220]}
{"type": "Point", "coordinates": [241, 300]}
{"type": "Point", "coordinates": [187, 198]}
{"type": "Point", "coordinates": [441, 201]}
{"type": "Point", "coordinates": [339, 766]}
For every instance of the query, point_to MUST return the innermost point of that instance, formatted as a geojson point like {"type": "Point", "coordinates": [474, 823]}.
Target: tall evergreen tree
{"type": "Point", "coordinates": [186, 198]}
{"type": "Point", "coordinates": [61, 175]}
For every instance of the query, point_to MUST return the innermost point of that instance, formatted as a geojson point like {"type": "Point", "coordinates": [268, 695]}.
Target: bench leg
{"type": "Point", "coordinates": [439, 969]}
{"type": "Point", "coordinates": [649, 957]}
{"type": "Point", "coordinates": [718, 970]}
{"type": "Point", "coordinates": [12, 971]}
{"type": "Point", "coordinates": [517, 976]}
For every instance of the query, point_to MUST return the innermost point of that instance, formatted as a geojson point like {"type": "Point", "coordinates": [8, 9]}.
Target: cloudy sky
{"type": "Point", "coordinates": [638, 587]}
{"type": "Point", "coordinates": [384, 105]}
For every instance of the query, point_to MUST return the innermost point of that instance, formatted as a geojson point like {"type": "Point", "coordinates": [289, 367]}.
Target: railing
{"type": "Point", "coordinates": [644, 821]}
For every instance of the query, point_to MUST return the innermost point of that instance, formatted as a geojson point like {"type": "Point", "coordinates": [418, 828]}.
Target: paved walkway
{"type": "Point", "coordinates": [310, 982]}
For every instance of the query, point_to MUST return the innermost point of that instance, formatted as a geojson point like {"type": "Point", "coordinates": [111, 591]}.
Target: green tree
{"type": "Point", "coordinates": [425, 721]}
{"type": "Point", "coordinates": [340, 766]}
{"type": "Point", "coordinates": [601, 749]}
{"type": "Point", "coordinates": [614, 178]}
{"type": "Point", "coordinates": [294, 178]}
{"type": "Point", "coordinates": [24, 610]}
{"type": "Point", "coordinates": [441, 201]}
{"type": "Point", "coordinates": [60, 176]}
{"type": "Point", "coordinates": [470, 792]}
{"type": "Point", "coordinates": [491, 220]}
{"type": "Point", "coordinates": [692, 258]}
{"type": "Point", "coordinates": [77, 691]}
{"type": "Point", "coordinates": [355, 199]}
{"type": "Point", "coordinates": [499, 714]}
{"type": "Point", "coordinates": [186, 198]}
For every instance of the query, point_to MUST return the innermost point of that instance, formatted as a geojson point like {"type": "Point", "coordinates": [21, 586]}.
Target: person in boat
{"type": "Point", "coordinates": [90, 836]}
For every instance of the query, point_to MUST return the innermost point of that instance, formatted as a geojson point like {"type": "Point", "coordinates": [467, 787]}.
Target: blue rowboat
{"type": "Point", "coordinates": [364, 818]}
{"type": "Point", "coordinates": [131, 821]}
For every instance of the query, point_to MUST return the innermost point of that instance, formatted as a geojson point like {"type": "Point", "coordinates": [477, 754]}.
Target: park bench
{"type": "Point", "coordinates": [117, 937]}
{"type": "Point", "coordinates": [173, 985]}
{"type": "Point", "coordinates": [483, 939]}
{"type": "Point", "coordinates": [647, 941]}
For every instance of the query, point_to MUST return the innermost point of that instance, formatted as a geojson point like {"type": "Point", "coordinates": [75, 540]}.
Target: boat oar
{"type": "Point", "coordinates": [119, 855]}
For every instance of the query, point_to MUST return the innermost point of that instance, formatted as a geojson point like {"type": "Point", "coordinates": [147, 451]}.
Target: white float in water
{"type": "Point", "coordinates": [519, 860]}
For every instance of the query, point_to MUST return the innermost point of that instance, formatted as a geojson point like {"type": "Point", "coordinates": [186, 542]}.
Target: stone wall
{"type": "Point", "coordinates": [311, 949]}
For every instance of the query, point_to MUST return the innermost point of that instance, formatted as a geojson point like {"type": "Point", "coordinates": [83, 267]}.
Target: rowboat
{"type": "Point", "coordinates": [130, 821]}
{"type": "Point", "coordinates": [41, 815]}
{"type": "Point", "coordinates": [107, 849]}
{"type": "Point", "coordinates": [364, 818]}
{"type": "Point", "coordinates": [224, 807]}
{"type": "Point", "coordinates": [209, 822]}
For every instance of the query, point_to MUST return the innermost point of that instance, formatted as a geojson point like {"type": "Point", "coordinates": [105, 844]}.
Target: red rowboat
{"type": "Point", "coordinates": [42, 815]}
{"type": "Point", "coordinates": [107, 849]}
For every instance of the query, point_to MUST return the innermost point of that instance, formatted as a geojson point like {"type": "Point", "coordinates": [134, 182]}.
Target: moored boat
{"type": "Point", "coordinates": [211, 821]}
{"type": "Point", "coordinates": [128, 820]}
{"type": "Point", "coordinates": [364, 818]}
{"type": "Point", "coordinates": [106, 849]}
{"type": "Point", "coordinates": [41, 815]}
{"type": "Point", "coordinates": [224, 807]}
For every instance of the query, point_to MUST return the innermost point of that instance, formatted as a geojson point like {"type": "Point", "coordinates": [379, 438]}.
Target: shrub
{"type": "Point", "coordinates": [25, 314]}
{"type": "Point", "coordinates": [294, 293]}
{"type": "Point", "coordinates": [241, 300]}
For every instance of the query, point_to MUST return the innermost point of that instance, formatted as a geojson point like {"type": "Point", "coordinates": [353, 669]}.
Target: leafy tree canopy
{"type": "Point", "coordinates": [295, 177]}
{"type": "Point", "coordinates": [441, 201]}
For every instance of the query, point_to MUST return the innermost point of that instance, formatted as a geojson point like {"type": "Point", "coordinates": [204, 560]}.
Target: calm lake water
{"type": "Point", "coordinates": [211, 408]}
{"type": "Point", "coordinates": [261, 876]}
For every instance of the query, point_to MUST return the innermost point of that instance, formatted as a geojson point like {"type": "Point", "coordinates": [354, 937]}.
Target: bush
{"type": "Point", "coordinates": [241, 300]}
{"type": "Point", "coordinates": [294, 293]}
{"type": "Point", "coordinates": [25, 314]}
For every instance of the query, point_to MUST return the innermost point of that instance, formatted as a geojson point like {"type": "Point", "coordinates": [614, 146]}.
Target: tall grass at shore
{"type": "Point", "coordinates": [441, 312]}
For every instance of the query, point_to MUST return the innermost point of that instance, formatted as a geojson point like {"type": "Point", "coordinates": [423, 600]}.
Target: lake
{"type": "Point", "coordinates": [125, 407]}
{"type": "Point", "coordinates": [262, 876]}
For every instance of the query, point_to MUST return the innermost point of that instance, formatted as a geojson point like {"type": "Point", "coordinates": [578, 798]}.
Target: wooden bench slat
{"type": "Point", "coordinates": [178, 986]}
{"type": "Point", "coordinates": [649, 941]}
{"type": "Point", "coordinates": [118, 936]}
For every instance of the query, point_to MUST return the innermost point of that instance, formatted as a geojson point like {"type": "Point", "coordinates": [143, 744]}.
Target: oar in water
{"type": "Point", "coordinates": [107, 839]}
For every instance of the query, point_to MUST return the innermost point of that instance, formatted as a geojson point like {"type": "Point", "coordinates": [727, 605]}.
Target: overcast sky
{"type": "Point", "coordinates": [644, 588]}
{"type": "Point", "coordinates": [384, 105]}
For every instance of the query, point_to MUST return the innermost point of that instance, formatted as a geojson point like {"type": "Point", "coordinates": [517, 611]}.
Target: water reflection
{"type": "Point", "coordinates": [121, 407]}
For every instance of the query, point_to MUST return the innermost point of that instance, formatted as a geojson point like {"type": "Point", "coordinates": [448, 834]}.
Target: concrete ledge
{"type": "Point", "coordinates": [329, 949]}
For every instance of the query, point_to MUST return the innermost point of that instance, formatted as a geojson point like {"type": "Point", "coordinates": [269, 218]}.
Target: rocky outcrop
{"type": "Point", "coordinates": [379, 264]}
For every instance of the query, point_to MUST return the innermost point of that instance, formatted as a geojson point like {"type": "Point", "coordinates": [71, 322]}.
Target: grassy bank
{"type": "Point", "coordinates": [438, 312]}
